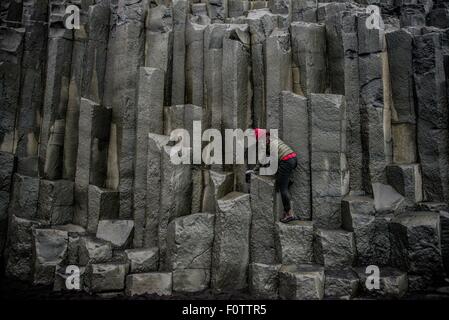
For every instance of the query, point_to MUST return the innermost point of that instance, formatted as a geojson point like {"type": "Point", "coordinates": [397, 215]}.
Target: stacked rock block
{"type": "Point", "coordinates": [87, 181]}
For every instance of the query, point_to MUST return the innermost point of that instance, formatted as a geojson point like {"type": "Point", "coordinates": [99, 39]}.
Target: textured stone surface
{"type": "Point", "coordinates": [159, 283]}
{"type": "Point", "coordinates": [416, 243]}
{"type": "Point", "coordinates": [105, 277]}
{"type": "Point", "coordinates": [294, 242]}
{"type": "Point", "coordinates": [230, 253]}
{"type": "Point", "coordinates": [407, 180]}
{"type": "Point", "coordinates": [295, 133]}
{"type": "Point", "coordinates": [118, 232]}
{"type": "Point", "coordinates": [92, 250]}
{"type": "Point", "coordinates": [190, 280]}
{"type": "Point", "coordinates": [264, 216]}
{"type": "Point", "coordinates": [301, 282]}
{"type": "Point", "coordinates": [143, 260]}
{"type": "Point", "coordinates": [264, 280]}
{"type": "Point", "coordinates": [341, 284]}
{"type": "Point", "coordinates": [334, 248]}
{"type": "Point", "coordinates": [189, 242]}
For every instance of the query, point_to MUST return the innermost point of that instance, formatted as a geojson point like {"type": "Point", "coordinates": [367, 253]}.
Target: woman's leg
{"type": "Point", "coordinates": [284, 172]}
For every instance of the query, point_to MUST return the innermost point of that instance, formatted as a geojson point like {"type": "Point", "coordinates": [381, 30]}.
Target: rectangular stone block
{"type": "Point", "coordinates": [278, 58]}
{"type": "Point", "coordinates": [309, 55]}
{"type": "Point", "coordinates": [334, 248]}
{"type": "Point", "coordinates": [404, 143]}
{"type": "Point", "coordinates": [93, 250]}
{"type": "Point", "coordinates": [19, 250]}
{"type": "Point", "coordinates": [118, 232]}
{"type": "Point", "coordinates": [407, 180]}
{"type": "Point", "coordinates": [25, 196]}
{"type": "Point", "coordinates": [264, 216]}
{"type": "Point", "coordinates": [143, 260]}
{"type": "Point", "coordinates": [103, 204]}
{"type": "Point", "coordinates": [159, 44]}
{"type": "Point", "coordinates": [341, 284]}
{"type": "Point", "coordinates": [294, 242]}
{"type": "Point", "coordinates": [180, 9]}
{"type": "Point", "coordinates": [304, 10]}
{"type": "Point", "coordinates": [400, 50]}
{"type": "Point", "coordinates": [158, 283]}
{"type": "Point", "coordinates": [189, 242]}
{"type": "Point", "coordinates": [264, 280]}
{"type": "Point", "coordinates": [156, 143]}
{"type": "Point", "coordinates": [393, 283]}
{"type": "Point", "coordinates": [150, 98]}
{"type": "Point", "coordinates": [190, 280]}
{"type": "Point", "coordinates": [11, 50]}
{"type": "Point", "coordinates": [50, 249]}
{"type": "Point", "coordinates": [55, 201]}
{"type": "Point", "coordinates": [106, 277]}
{"type": "Point", "coordinates": [51, 143]}
{"type": "Point", "coordinates": [301, 282]}
{"type": "Point", "coordinates": [92, 154]}
{"type": "Point", "coordinates": [230, 253]}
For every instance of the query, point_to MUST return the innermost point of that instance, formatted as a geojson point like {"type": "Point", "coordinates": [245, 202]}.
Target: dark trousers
{"type": "Point", "coordinates": [285, 170]}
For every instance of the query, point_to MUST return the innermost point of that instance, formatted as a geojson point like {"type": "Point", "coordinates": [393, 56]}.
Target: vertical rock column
{"type": "Point", "coordinates": [150, 97]}
{"type": "Point", "coordinates": [11, 47]}
{"type": "Point", "coordinates": [6, 171]}
{"type": "Point", "coordinates": [261, 24]}
{"type": "Point", "coordinates": [180, 9]}
{"type": "Point", "coordinates": [375, 103]}
{"type": "Point", "coordinates": [296, 134]}
{"type": "Point", "coordinates": [213, 88]}
{"type": "Point", "coordinates": [432, 115]}
{"type": "Point", "coordinates": [59, 57]}
{"type": "Point", "coordinates": [230, 253]}
{"type": "Point", "coordinates": [236, 87]}
{"type": "Point", "coordinates": [278, 75]}
{"type": "Point", "coordinates": [125, 54]}
{"type": "Point", "coordinates": [87, 75]}
{"type": "Point", "coordinates": [93, 138]}
{"type": "Point", "coordinates": [309, 57]}
{"type": "Point", "coordinates": [159, 44]}
{"type": "Point", "coordinates": [352, 95]}
{"type": "Point", "coordinates": [34, 17]}
{"type": "Point", "coordinates": [195, 61]}
{"type": "Point", "coordinates": [304, 10]}
{"type": "Point", "coordinates": [329, 168]}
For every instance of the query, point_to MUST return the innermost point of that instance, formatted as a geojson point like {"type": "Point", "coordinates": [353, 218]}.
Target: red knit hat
{"type": "Point", "coordinates": [259, 133]}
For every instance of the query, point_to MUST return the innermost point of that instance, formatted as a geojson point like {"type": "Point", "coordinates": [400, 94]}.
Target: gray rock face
{"type": "Point", "coordinates": [6, 172]}
{"type": "Point", "coordinates": [190, 280]}
{"type": "Point", "coordinates": [143, 260]}
{"type": "Point", "coordinates": [75, 234]}
{"type": "Point", "coordinates": [330, 178]}
{"type": "Point", "coordinates": [55, 201]}
{"type": "Point", "coordinates": [105, 277]}
{"type": "Point", "coordinates": [301, 282]}
{"type": "Point", "coordinates": [19, 252]}
{"type": "Point", "coordinates": [278, 57]}
{"type": "Point", "coordinates": [103, 204]}
{"type": "Point", "coordinates": [118, 232]}
{"type": "Point", "coordinates": [49, 250]}
{"type": "Point", "coordinates": [304, 10]}
{"type": "Point", "coordinates": [295, 133]}
{"type": "Point", "coordinates": [264, 280]}
{"type": "Point", "coordinates": [92, 250]}
{"type": "Point", "coordinates": [308, 50]}
{"type": "Point", "coordinates": [334, 248]}
{"type": "Point", "coordinates": [61, 276]}
{"type": "Point", "coordinates": [189, 242]}
{"type": "Point", "coordinates": [92, 154]}
{"type": "Point", "coordinates": [217, 185]}
{"type": "Point", "coordinates": [392, 283]}
{"type": "Point", "coordinates": [407, 180]}
{"type": "Point", "coordinates": [159, 283]}
{"type": "Point", "coordinates": [386, 198]}
{"type": "Point", "coordinates": [341, 284]}
{"type": "Point", "coordinates": [416, 243]}
{"type": "Point", "coordinates": [150, 98]}
{"type": "Point", "coordinates": [25, 196]}
{"type": "Point", "coordinates": [230, 253]}
{"type": "Point", "coordinates": [294, 242]}
{"type": "Point", "coordinates": [264, 216]}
